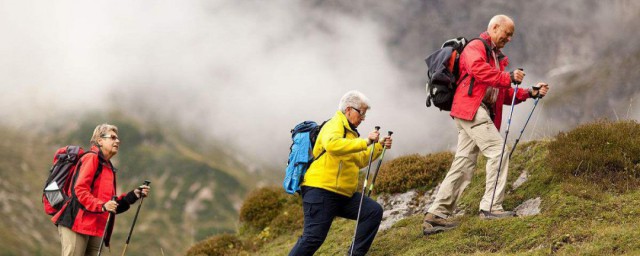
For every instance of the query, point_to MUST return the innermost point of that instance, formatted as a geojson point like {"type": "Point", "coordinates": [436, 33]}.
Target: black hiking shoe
{"type": "Point", "coordinates": [433, 224]}
{"type": "Point", "coordinates": [494, 215]}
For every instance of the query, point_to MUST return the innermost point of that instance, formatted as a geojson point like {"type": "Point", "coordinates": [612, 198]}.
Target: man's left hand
{"type": "Point", "coordinates": [540, 90]}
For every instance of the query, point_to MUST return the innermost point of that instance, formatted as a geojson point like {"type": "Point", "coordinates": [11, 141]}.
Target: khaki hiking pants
{"type": "Point", "coordinates": [477, 135]}
{"type": "Point", "coordinates": [74, 244]}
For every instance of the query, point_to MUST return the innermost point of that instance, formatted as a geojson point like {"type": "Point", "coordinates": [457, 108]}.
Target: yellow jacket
{"type": "Point", "coordinates": [337, 169]}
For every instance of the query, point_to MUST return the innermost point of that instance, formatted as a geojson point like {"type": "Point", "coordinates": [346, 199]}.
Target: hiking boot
{"type": "Point", "coordinates": [494, 215]}
{"type": "Point", "coordinates": [433, 224]}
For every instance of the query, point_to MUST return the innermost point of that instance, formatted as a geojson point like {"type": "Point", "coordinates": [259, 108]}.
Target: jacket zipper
{"type": "Point", "coordinates": [339, 170]}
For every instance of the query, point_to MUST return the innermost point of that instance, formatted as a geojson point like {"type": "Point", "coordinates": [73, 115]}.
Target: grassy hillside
{"type": "Point", "coordinates": [197, 186]}
{"type": "Point", "coordinates": [586, 179]}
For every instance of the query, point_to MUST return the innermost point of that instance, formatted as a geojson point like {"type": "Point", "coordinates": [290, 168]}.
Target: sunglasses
{"type": "Point", "coordinates": [113, 137]}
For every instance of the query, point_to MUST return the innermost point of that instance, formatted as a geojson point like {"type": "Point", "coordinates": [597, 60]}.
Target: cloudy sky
{"type": "Point", "coordinates": [242, 72]}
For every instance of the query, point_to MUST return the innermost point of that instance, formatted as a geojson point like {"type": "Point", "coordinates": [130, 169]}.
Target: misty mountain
{"type": "Point", "coordinates": [243, 73]}
{"type": "Point", "coordinates": [197, 186]}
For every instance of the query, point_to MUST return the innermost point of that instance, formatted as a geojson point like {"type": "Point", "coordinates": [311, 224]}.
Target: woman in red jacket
{"type": "Point", "coordinates": [82, 221]}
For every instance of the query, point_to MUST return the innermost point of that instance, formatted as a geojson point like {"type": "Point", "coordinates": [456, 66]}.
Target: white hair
{"type": "Point", "coordinates": [354, 99]}
{"type": "Point", "coordinates": [498, 19]}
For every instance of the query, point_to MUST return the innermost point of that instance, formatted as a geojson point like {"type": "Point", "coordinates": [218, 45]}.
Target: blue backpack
{"type": "Point", "coordinates": [304, 137]}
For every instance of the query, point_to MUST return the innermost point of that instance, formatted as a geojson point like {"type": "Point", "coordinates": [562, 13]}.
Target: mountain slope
{"type": "Point", "coordinates": [585, 179]}
{"type": "Point", "coordinates": [197, 186]}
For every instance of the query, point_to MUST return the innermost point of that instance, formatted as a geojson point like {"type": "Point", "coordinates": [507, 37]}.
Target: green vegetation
{"type": "Point", "coordinates": [425, 172]}
{"type": "Point", "coordinates": [607, 153]}
{"type": "Point", "coordinates": [580, 214]}
{"type": "Point", "coordinates": [196, 186]}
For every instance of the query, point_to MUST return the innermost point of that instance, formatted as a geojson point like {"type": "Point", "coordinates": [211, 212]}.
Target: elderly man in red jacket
{"type": "Point", "coordinates": [477, 111]}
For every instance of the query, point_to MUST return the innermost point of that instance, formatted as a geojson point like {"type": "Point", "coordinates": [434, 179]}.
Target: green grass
{"type": "Point", "coordinates": [579, 216]}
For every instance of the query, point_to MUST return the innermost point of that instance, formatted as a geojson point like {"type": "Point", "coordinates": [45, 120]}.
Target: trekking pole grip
{"type": "Point", "coordinates": [145, 183]}
{"type": "Point", "coordinates": [537, 88]}
{"type": "Point", "coordinates": [521, 69]}
{"type": "Point", "coordinates": [377, 128]}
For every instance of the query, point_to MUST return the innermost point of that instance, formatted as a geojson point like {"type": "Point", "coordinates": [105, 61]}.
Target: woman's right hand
{"type": "Point", "coordinates": [110, 206]}
{"type": "Point", "coordinates": [373, 137]}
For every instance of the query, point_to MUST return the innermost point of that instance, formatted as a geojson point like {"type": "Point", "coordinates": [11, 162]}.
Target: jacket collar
{"type": "Point", "coordinates": [97, 150]}
{"type": "Point", "coordinates": [487, 38]}
{"type": "Point", "coordinates": [345, 122]}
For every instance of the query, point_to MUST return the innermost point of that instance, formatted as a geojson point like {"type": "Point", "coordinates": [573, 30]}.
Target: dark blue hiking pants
{"type": "Point", "coordinates": [322, 206]}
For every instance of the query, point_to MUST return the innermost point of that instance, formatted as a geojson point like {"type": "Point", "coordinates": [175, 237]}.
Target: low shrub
{"type": "Point", "coordinates": [261, 206]}
{"type": "Point", "coordinates": [224, 244]}
{"type": "Point", "coordinates": [412, 171]}
{"type": "Point", "coordinates": [604, 152]}
{"type": "Point", "coordinates": [290, 218]}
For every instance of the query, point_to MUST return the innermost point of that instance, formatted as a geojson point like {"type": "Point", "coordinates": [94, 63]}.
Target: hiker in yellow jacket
{"type": "Point", "coordinates": [329, 186]}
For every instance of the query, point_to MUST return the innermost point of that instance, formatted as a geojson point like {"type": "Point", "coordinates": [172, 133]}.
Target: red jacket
{"type": "Point", "coordinates": [473, 63]}
{"type": "Point", "coordinates": [83, 213]}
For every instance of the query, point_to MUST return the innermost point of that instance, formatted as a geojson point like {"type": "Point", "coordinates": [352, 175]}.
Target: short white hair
{"type": "Point", "coordinates": [498, 19]}
{"type": "Point", "coordinates": [354, 99]}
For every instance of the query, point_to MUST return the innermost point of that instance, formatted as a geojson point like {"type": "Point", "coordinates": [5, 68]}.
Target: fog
{"type": "Point", "coordinates": [240, 72]}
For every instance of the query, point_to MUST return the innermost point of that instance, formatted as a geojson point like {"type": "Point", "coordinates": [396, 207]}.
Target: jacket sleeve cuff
{"type": "Point", "coordinates": [131, 197]}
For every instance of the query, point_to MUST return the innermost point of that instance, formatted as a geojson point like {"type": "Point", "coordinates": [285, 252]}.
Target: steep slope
{"type": "Point", "coordinates": [197, 186]}
{"type": "Point", "coordinates": [585, 180]}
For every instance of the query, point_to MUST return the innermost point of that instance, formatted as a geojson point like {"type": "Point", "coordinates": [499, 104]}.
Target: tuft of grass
{"type": "Point", "coordinates": [225, 244]}
{"type": "Point", "coordinates": [413, 171]}
{"type": "Point", "coordinates": [261, 206]}
{"type": "Point", "coordinates": [604, 153]}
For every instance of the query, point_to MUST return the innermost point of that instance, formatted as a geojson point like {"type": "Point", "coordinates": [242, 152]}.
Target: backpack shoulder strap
{"type": "Point", "coordinates": [344, 135]}
{"type": "Point", "coordinates": [487, 50]}
{"type": "Point", "coordinates": [75, 174]}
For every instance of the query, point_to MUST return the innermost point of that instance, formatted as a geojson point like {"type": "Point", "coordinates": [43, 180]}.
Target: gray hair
{"type": "Point", "coordinates": [354, 99]}
{"type": "Point", "coordinates": [100, 131]}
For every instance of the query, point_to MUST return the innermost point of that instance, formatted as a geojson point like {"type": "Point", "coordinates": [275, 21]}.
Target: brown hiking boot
{"type": "Point", "coordinates": [433, 224]}
{"type": "Point", "coordinates": [494, 215]}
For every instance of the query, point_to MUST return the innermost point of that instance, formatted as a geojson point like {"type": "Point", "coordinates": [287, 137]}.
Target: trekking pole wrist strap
{"type": "Point", "coordinates": [531, 93]}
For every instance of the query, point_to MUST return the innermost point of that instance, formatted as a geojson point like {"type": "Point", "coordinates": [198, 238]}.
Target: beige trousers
{"type": "Point", "coordinates": [74, 244]}
{"type": "Point", "coordinates": [477, 135]}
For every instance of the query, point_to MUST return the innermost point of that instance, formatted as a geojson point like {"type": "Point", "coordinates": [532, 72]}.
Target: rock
{"type": "Point", "coordinates": [399, 206]}
{"type": "Point", "coordinates": [529, 208]}
{"type": "Point", "coordinates": [524, 176]}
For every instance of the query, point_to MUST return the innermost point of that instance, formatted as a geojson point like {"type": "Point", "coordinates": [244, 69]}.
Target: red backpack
{"type": "Point", "coordinates": [58, 185]}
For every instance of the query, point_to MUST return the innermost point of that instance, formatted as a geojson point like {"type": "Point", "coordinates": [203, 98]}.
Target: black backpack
{"type": "Point", "coordinates": [444, 72]}
{"type": "Point", "coordinates": [57, 188]}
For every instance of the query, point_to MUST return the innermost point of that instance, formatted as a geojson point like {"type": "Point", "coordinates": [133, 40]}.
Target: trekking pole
{"type": "Point", "coordinates": [535, 103]}
{"type": "Point", "coordinates": [364, 187]}
{"type": "Point", "coordinates": [373, 181]}
{"type": "Point", "coordinates": [504, 144]}
{"type": "Point", "coordinates": [106, 227]}
{"type": "Point", "coordinates": [135, 218]}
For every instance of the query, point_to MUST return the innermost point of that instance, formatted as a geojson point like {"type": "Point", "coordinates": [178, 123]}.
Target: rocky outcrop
{"type": "Point", "coordinates": [399, 206]}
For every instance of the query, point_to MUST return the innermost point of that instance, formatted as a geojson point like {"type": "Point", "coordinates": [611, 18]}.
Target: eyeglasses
{"type": "Point", "coordinates": [359, 113]}
{"type": "Point", "coordinates": [107, 136]}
